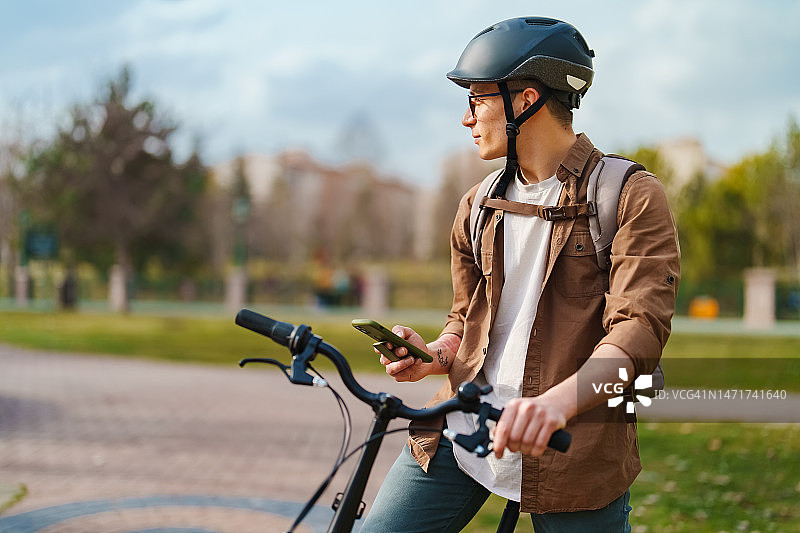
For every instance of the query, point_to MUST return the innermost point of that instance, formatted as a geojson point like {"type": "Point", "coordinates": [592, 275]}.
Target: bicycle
{"type": "Point", "coordinates": [304, 347]}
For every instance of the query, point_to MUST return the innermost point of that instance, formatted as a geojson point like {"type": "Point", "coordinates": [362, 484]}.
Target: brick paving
{"type": "Point", "coordinates": [109, 444]}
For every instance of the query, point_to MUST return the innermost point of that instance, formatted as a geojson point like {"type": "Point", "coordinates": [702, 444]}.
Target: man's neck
{"type": "Point", "coordinates": [542, 152]}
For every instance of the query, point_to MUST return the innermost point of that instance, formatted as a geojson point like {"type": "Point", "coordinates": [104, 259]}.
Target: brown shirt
{"type": "Point", "coordinates": [581, 307]}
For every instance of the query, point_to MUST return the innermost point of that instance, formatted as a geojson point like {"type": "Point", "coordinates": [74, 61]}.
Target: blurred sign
{"type": "Point", "coordinates": [41, 244]}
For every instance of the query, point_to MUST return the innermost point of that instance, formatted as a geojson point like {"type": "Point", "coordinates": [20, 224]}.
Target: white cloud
{"type": "Point", "coordinates": [263, 75]}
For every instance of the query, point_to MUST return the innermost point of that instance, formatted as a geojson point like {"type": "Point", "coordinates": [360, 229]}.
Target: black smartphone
{"type": "Point", "coordinates": [383, 336]}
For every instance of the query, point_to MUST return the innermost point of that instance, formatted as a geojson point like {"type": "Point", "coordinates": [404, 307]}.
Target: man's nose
{"type": "Point", "coordinates": [468, 120]}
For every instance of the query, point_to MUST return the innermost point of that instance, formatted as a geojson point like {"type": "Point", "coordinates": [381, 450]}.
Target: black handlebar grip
{"type": "Point", "coordinates": [560, 440]}
{"type": "Point", "coordinates": [279, 332]}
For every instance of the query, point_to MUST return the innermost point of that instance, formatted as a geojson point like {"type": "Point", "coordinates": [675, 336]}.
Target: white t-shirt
{"type": "Point", "coordinates": [526, 242]}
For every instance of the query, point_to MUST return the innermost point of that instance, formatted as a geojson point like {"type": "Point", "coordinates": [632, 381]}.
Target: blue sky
{"type": "Point", "coordinates": [261, 76]}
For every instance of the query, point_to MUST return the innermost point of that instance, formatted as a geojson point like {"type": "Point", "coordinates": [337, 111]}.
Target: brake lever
{"type": "Point", "coordinates": [274, 362]}
{"type": "Point", "coordinates": [478, 442]}
{"type": "Point", "coordinates": [304, 379]}
{"type": "Point", "coordinates": [303, 345]}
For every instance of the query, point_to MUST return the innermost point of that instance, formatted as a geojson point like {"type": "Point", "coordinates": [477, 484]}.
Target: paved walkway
{"type": "Point", "coordinates": [107, 444]}
{"type": "Point", "coordinates": [121, 445]}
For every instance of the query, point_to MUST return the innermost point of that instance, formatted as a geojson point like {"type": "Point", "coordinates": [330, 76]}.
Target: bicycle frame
{"type": "Point", "coordinates": [349, 508]}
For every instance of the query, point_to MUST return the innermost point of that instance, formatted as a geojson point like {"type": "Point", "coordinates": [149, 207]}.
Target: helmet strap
{"type": "Point", "coordinates": [512, 130]}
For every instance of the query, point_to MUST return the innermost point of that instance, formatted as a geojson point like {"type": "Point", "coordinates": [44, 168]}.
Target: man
{"type": "Point", "coordinates": [534, 313]}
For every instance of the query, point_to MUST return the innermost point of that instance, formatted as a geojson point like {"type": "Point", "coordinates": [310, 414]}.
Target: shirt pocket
{"type": "Point", "coordinates": [576, 272]}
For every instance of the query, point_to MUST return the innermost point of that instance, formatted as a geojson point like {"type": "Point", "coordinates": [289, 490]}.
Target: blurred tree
{"type": "Point", "coordinates": [275, 222]}
{"type": "Point", "coordinates": [787, 204]}
{"type": "Point", "coordinates": [446, 205]}
{"type": "Point", "coordinates": [241, 201]}
{"type": "Point", "coordinates": [655, 163]}
{"type": "Point", "coordinates": [460, 172]}
{"type": "Point", "coordinates": [747, 217]}
{"type": "Point", "coordinates": [109, 182]}
{"type": "Point", "coordinates": [13, 147]}
{"type": "Point", "coordinates": [180, 235]}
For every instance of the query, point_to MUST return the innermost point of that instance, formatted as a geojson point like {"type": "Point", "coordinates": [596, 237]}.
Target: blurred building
{"type": "Point", "coordinates": [686, 158]}
{"type": "Point", "coordinates": [301, 206]}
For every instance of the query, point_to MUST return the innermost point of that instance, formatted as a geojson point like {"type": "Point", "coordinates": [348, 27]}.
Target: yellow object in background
{"type": "Point", "coordinates": [704, 307]}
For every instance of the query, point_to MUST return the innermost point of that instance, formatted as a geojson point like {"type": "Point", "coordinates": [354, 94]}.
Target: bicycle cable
{"type": "Point", "coordinates": [345, 412]}
{"type": "Point", "coordinates": [340, 458]}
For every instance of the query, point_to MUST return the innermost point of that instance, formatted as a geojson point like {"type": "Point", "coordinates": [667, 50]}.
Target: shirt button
{"type": "Point", "coordinates": [534, 332]}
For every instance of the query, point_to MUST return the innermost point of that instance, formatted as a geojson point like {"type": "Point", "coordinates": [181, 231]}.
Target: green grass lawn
{"type": "Point", "coordinates": [220, 341]}
{"type": "Point", "coordinates": [206, 340]}
{"type": "Point", "coordinates": [705, 478]}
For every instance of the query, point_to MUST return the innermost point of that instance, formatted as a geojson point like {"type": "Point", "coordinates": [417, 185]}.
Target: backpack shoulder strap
{"type": "Point", "coordinates": [477, 215]}
{"type": "Point", "coordinates": [604, 189]}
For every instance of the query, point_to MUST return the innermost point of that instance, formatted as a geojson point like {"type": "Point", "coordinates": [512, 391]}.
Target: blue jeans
{"type": "Point", "coordinates": [445, 499]}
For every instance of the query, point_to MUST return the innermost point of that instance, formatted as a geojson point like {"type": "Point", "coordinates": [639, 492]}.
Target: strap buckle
{"type": "Point", "coordinates": [555, 213]}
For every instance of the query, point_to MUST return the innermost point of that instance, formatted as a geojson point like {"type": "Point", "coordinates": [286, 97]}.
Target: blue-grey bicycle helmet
{"type": "Point", "coordinates": [549, 50]}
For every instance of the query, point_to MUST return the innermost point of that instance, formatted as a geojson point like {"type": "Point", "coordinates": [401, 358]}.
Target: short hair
{"type": "Point", "coordinates": [557, 109]}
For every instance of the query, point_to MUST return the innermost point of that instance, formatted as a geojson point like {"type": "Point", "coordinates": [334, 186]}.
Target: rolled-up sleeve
{"type": "Point", "coordinates": [644, 276]}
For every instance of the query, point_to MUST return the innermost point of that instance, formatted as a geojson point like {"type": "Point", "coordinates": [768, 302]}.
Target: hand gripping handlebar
{"type": "Point", "coordinates": [304, 346]}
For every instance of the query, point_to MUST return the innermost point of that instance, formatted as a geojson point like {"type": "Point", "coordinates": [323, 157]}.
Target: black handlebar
{"type": "Point", "coordinates": [304, 346]}
{"type": "Point", "coordinates": [280, 332]}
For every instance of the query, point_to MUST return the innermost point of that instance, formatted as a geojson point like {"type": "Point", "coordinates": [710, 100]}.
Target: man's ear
{"type": "Point", "coordinates": [529, 97]}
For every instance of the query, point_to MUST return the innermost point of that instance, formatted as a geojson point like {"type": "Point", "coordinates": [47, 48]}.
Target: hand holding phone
{"type": "Point", "coordinates": [384, 336]}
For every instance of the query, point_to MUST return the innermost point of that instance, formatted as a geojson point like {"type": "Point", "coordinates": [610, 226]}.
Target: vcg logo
{"type": "Point", "coordinates": [645, 381]}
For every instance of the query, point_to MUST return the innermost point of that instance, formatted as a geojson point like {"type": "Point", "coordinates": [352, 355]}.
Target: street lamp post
{"type": "Point", "coordinates": [21, 276]}
{"type": "Point", "coordinates": [236, 287]}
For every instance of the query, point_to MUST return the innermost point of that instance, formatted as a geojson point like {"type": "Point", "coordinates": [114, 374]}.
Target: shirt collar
{"type": "Point", "coordinates": [575, 160]}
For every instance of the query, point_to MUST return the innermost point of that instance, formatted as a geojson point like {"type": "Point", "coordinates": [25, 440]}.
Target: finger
{"type": "Point", "coordinates": [399, 352]}
{"type": "Point", "coordinates": [502, 427]}
{"type": "Point", "coordinates": [398, 366]}
{"type": "Point", "coordinates": [539, 438]}
{"type": "Point", "coordinates": [530, 440]}
{"type": "Point", "coordinates": [402, 331]}
{"type": "Point", "coordinates": [526, 426]}
{"type": "Point", "coordinates": [516, 429]}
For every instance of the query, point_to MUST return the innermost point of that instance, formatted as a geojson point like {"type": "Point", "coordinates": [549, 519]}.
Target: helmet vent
{"type": "Point", "coordinates": [541, 22]}
{"type": "Point", "coordinates": [582, 42]}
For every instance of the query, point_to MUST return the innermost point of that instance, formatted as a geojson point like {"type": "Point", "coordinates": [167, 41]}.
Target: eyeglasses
{"type": "Point", "coordinates": [472, 97]}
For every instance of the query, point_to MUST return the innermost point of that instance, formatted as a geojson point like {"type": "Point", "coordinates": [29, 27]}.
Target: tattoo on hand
{"type": "Point", "coordinates": [442, 359]}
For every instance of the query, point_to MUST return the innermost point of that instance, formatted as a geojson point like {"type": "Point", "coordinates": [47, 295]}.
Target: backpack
{"type": "Point", "coordinates": [602, 203]}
